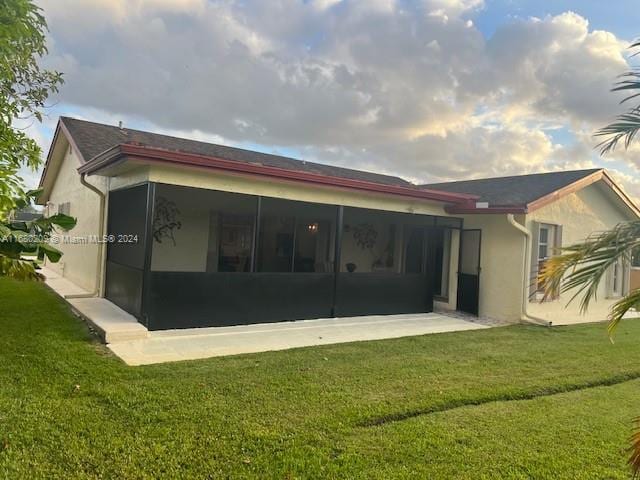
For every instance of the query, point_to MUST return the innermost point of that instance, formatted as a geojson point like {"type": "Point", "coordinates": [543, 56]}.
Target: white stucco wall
{"type": "Point", "coordinates": [79, 261]}
{"type": "Point", "coordinates": [502, 265]}
{"type": "Point", "coordinates": [267, 187]}
{"type": "Point", "coordinates": [591, 209]}
{"type": "Point", "coordinates": [582, 213]}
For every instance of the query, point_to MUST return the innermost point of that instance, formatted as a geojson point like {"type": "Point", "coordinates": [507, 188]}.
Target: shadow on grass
{"type": "Point", "coordinates": [500, 397]}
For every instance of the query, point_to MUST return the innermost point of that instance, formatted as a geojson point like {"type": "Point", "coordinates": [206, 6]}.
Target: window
{"type": "Point", "coordinates": [617, 283]}
{"type": "Point", "coordinates": [236, 238]}
{"type": "Point", "coordinates": [276, 240]}
{"type": "Point", "coordinates": [548, 239]}
{"type": "Point", "coordinates": [296, 237]}
{"type": "Point", "coordinates": [616, 280]}
{"type": "Point", "coordinates": [312, 243]}
{"type": "Point", "coordinates": [543, 243]}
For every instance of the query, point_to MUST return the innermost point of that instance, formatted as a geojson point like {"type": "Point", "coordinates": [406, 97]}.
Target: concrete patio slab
{"type": "Point", "coordinates": [61, 285]}
{"type": "Point", "coordinates": [111, 322]}
{"type": "Point", "coordinates": [135, 345]}
{"type": "Point", "coordinates": [191, 344]}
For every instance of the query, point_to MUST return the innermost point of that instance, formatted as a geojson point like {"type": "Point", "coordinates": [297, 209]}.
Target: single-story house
{"type": "Point", "coordinates": [182, 233]}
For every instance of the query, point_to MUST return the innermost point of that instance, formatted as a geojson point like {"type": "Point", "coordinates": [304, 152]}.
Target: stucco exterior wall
{"type": "Point", "coordinates": [129, 178]}
{"type": "Point", "coordinates": [502, 250]}
{"type": "Point", "coordinates": [79, 260]}
{"type": "Point", "coordinates": [501, 264]}
{"type": "Point", "coordinates": [201, 178]}
{"type": "Point", "coordinates": [580, 214]}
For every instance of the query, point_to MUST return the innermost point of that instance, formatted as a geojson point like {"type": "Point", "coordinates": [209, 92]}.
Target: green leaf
{"type": "Point", "coordinates": [19, 226]}
{"type": "Point", "coordinates": [53, 254]}
{"type": "Point", "coordinates": [24, 88]}
{"type": "Point", "coordinates": [34, 193]}
{"type": "Point", "coordinates": [63, 221]}
{"type": "Point", "coordinates": [20, 203]}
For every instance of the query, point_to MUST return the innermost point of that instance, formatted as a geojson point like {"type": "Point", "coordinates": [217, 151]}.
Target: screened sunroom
{"type": "Point", "coordinates": [206, 257]}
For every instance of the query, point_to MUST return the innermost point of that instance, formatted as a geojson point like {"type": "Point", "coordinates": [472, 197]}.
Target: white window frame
{"type": "Point", "coordinates": [550, 230]}
{"type": "Point", "coordinates": [617, 281]}
{"type": "Point", "coordinates": [550, 245]}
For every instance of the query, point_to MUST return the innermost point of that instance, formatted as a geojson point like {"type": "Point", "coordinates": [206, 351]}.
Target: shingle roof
{"type": "Point", "coordinates": [94, 138]}
{"type": "Point", "coordinates": [516, 190]}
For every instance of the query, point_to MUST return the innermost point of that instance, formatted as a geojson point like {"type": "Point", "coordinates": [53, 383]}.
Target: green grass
{"type": "Point", "coordinates": [515, 402]}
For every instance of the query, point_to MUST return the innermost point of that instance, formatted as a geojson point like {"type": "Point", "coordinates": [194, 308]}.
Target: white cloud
{"type": "Point", "coordinates": [451, 8]}
{"type": "Point", "coordinates": [409, 88]}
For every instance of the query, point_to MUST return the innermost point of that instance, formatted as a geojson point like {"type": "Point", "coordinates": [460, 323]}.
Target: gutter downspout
{"type": "Point", "coordinates": [527, 268]}
{"type": "Point", "coordinates": [99, 262]}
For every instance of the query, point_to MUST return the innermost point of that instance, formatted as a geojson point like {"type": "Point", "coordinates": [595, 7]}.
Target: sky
{"type": "Point", "coordinates": [430, 90]}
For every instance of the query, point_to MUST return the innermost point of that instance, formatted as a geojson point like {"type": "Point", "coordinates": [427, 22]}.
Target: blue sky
{"type": "Point", "coordinates": [621, 17]}
{"type": "Point", "coordinates": [431, 90]}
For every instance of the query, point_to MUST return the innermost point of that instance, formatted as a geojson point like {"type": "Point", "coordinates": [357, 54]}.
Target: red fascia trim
{"type": "Point", "coordinates": [167, 156]}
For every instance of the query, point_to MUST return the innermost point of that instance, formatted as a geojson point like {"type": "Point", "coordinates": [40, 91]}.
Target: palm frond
{"type": "Point", "coordinates": [621, 307]}
{"type": "Point", "coordinates": [634, 449]}
{"type": "Point", "coordinates": [631, 82]}
{"type": "Point", "coordinates": [626, 126]}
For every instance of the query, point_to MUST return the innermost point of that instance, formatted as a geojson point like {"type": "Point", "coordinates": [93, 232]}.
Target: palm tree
{"type": "Point", "coordinates": [627, 124]}
{"type": "Point", "coordinates": [578, 269]}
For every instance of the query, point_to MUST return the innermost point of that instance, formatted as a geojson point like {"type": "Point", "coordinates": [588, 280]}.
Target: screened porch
{"type": "Point", "coordinates": [212, 258]}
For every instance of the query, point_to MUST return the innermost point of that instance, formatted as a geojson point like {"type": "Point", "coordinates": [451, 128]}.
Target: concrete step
{"type": "Point", "coordinates": [111, 322]}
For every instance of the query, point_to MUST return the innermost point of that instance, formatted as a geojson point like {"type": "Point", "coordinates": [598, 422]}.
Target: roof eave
{"type": "Point", "coordinates": [564, 191]}
{"type": "Point", "coordinates": [150, 154]}
{"type": "Point", "coordinates": [60, 127]}
{"type": "Point", "coordinates": [582, 183]}
{"type": "Point", "coordinates": [468, 210]}
{"type": "Point", "coordinates": [621, 193]}
{"type": "Point", "coordinates": [552, 197]}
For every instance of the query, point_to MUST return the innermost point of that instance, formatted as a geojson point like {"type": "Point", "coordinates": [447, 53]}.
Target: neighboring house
{"type": "Point", "coordinates": [206, 235]}
{"type": "Point", "coordinates": [26, 214]}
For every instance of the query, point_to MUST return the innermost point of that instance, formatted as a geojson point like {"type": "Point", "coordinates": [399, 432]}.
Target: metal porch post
{"type": "Point", "coordinates": [337, 253]}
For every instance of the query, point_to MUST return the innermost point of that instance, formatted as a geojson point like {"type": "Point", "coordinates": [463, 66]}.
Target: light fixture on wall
{"type": "Point", "coordinates": [312, 227]}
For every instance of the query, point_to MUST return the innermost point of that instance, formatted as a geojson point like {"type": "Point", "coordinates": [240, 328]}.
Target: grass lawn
{"type": "Point", "coordinates": [515, 402]}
